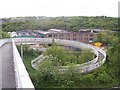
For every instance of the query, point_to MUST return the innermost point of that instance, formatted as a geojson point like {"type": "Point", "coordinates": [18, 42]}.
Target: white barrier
{"type": "Point", "coordinates": [85, 67]}
{"type": "Point", "coordinates": [21, 76]}
{"type": "Point", "coordinates": [3, 41]}
{"type": "Point", "coordinates": [61, 42]}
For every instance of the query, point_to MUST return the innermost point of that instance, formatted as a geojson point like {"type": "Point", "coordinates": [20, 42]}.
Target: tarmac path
{"type": "Point", "coordinates": [7, 67]}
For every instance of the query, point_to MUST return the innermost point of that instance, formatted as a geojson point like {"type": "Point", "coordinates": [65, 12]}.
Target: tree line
{"type": "Point", "coordinates": [4, 34]}
{"type": "Point", "coordinates": [67, 23]}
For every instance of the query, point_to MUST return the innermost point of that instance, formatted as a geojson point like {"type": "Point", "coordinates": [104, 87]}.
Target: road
{"type": "Point", "coordinates": [7, 67]}
{"type": "Point", "coordinates": [100, 57]}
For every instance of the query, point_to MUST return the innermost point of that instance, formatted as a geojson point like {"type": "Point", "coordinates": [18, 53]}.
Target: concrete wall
{"type": "Point", "coordinates": [21, 75]}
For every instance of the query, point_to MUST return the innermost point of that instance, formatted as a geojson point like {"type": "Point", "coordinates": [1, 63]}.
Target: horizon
{"type": "Point", "coordinates": [54, 16]}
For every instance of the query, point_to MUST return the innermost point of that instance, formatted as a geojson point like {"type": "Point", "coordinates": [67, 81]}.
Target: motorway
{"type": "Point", "coordinates": [7, 67]}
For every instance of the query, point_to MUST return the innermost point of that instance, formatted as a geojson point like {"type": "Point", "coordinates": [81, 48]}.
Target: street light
{"type": "Point", "coordinates": [21, 51]}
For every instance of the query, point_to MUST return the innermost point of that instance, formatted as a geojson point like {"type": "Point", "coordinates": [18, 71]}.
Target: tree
{"type": "Point", "coordinates": [87, 80]}
{"type": "Point", "coordinates": [71, 75]}
{"type": "Point", "coordinates": [85, 56]}
{"type": "Point", "coordinates": [47, 70]}
{"type": "Point", "coordinates": [4, 34]}
{"type": "Point", "coordinates": [114, 56]}
{"type": "Point", "coordinates": [105, 79]}
{"type": "Point", "coordinates": [67, 23]}
{"type": "Point", "coordinates": [57, 52]}
{"type": "Point", "coordinates": [113, 53]}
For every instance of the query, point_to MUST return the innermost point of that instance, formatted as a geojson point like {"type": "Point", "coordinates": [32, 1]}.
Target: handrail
{"type": "Point", "coordinates": [22, 76]}
{"type": "Point", "coordinates": [85, 67]}
{"type": "Point", "coordinates": [61, 42]}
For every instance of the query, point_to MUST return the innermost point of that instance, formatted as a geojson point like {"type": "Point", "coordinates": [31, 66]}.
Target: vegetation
{"type": "Point", "coordinates": [4, 34]}
{"type": "Point", "coordinates": [112, 41]}
{"type": "Point", "coordinates": [113, 53]}
{"type": "Point", "coordinates": [107, 76]}
{"type": "Point", "coordinates": [64, 57]}
{"type": "Point", "coordinates": [28, 55]}
{"type": "Point", "coordinates": [105, 37]}
{"type": "Point", "coordinates": [67, 23]}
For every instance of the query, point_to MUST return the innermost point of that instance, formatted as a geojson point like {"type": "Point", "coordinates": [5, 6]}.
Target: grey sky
{"type": "Point", "coordinates": [14, 8]}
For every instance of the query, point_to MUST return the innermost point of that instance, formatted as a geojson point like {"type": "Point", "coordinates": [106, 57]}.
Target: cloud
{"type": "Point", "coordinates": [13, 8]}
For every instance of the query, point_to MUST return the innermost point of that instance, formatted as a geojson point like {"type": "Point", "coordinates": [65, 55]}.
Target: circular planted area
{"type": "Point", "coordinates": [62, 57]}
{"type": "Point", "coordinates": [84, 67]}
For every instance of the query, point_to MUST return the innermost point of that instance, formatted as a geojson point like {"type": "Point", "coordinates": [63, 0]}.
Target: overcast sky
{"type": "Point", "coordinates": [53, 8]}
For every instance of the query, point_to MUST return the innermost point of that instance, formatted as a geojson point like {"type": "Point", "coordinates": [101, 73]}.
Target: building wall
{"type": "Point", "coordinates": [75, 36]}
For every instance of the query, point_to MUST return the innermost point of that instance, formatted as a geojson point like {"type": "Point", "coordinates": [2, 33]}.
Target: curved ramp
{"type": "Point", "coordinates": [6, 55]}
{"type": "Point", "coordinates": [85, 67]}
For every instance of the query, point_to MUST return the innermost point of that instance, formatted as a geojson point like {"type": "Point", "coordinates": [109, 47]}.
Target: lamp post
{"type": "Point", "coordinates": [21, 51]}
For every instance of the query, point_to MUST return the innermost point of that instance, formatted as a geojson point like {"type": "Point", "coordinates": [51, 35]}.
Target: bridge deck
{"type": "Point", "coordinates": [7, 67]}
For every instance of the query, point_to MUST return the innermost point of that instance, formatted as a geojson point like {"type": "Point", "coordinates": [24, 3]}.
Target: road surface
{"type": "Point", "coordinates": [7, 67]}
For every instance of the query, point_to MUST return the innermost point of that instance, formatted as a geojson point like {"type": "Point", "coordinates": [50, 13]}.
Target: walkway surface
{"type": "Point", "coordinates": [7, 67]}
